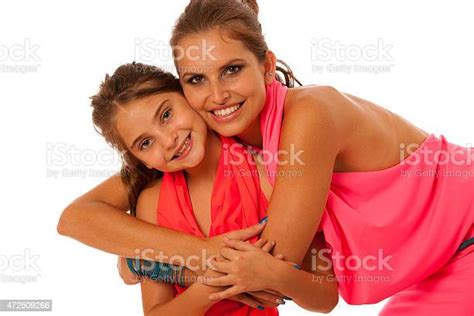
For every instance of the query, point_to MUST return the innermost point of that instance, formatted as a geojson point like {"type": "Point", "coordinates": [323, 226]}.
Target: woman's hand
{"type": "Point", "coordinates": [214, 244]}
{"type": "Point", "coordinates": [127, 276]}
{"type": "Point", "coordinates": [248, 268]}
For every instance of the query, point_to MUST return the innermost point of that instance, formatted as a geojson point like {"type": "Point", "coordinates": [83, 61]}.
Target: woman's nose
{"type": "Point", "coordinates": [219, 94]}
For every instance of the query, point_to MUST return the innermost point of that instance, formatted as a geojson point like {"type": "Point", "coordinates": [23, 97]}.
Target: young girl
{"type": "Point", "coordinates": [139, 99]}
{"type": "Point", "coordinates": [349, 178]}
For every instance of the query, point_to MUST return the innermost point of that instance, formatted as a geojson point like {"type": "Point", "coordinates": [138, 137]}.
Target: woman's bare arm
{"type": "Point", "coordinates": [99, 219]}
{"type": "Point", "coordinates": [314, 287]}
{"type": "Point", "coordinates": [298, 200]}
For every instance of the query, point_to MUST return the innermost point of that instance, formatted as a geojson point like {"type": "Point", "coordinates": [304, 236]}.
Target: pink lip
{"type": "Point", "coordinates": [229, 118]}
{"type": "Point", "coordinates": [186, 151]}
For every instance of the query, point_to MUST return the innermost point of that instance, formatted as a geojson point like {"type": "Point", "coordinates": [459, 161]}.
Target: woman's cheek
{"type": "Point", "coordinates": [194, 99]}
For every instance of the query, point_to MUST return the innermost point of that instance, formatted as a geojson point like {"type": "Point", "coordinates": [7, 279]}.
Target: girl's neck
{"type": "Point", "coordinates": [207, 169]}
{"type": "Point", "coordinates": [252, 135]}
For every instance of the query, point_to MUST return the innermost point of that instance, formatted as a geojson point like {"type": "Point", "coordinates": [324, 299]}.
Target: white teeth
{"type": "Point", "coordinates": [226, 112]}
{"type": "Point", "coordinates": [184, 147]}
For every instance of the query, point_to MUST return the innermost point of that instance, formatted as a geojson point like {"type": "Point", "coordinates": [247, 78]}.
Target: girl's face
{"type": "Point", "coordinates": [223, 81]}
{"type": "Point", "coordinates": [163, 131]}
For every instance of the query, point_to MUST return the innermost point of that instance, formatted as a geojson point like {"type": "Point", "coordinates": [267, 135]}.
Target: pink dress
{"type": "Point", "coordinates": [395, 232]}
{"type": "Point", "coordinates": [237, 202]}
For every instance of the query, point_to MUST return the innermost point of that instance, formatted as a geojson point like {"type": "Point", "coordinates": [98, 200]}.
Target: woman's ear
{"type": "Point", "coordinates": [270, 66]}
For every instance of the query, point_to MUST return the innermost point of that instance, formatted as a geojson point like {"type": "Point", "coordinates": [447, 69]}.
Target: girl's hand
{"type": "Point", "coordinates": [255, 300]}
{"type": "Point", "coordinates": [127, 276]}
{"type": "Point", "coordinates": [248, 268]}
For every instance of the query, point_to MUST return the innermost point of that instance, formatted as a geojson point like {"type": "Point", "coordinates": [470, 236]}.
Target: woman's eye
{"type": "Point", "coordinates": [233, 69]}
{"type": "Point", "coordinates": [195, 79]}
{"type": "Point", "coordinates": [166, 115]}
{"type": "Point", "coordinates": [145, 144]}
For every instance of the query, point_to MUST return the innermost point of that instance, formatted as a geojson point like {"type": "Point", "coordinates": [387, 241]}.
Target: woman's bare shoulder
{"type": "Point", "coordinates": [337, 114]}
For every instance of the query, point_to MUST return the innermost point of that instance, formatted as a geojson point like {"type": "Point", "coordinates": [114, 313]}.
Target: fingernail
{"type": "Point", "coordinates": [260, 307]}
{"type": "Point", "coordinates": [212, 297]}
{"type": "Point", "coordinates": [226, 238]}
{"type": "Point", "coordinates": [297, 266]}
{"type": "Point", "coordinates": [279, 301]}
{"type": "Point", "coordinates": [263, 220]}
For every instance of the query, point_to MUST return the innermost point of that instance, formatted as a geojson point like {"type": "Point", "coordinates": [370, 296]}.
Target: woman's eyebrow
{"type": "Point", "coordinates": [225, 65]}
{"type": "Point", "coordinates": [157, 112]}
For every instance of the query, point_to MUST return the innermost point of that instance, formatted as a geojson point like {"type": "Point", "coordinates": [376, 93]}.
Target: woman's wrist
{"type": "Point", "coordinates": [283, 274]}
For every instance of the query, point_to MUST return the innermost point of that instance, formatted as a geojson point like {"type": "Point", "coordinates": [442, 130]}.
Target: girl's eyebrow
{"type": "Point", "coordinates": [235, 60]}
{"type": "Point", "coordinates": [157, 112]}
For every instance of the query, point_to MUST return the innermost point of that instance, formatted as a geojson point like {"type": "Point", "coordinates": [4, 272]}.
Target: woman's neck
{"type": "Point", "coordinates": [252, 135]}
{"type": "Point", "coordinates": [207, 169]}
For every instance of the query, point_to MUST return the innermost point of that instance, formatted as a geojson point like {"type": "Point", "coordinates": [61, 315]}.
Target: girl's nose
{"type": "Point", "coordinates": [170, 141]}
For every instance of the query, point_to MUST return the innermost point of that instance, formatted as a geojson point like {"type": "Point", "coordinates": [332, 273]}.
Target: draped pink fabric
{"type": "Point", "coordinates": [236, 202]}
{"type": "Point", "coordinates": [406, 222]}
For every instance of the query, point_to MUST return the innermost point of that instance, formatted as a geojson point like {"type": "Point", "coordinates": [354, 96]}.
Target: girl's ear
{"type": "Point", "coordinates": [270, 67]}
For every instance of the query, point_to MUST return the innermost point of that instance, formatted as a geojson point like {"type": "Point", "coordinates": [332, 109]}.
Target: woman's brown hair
{"type": "Point", "coordinates": [238, 18]}
{"type": "Point", "coordinates": [129, 82]}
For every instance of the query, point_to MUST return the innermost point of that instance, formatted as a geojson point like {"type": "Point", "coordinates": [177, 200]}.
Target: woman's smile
{"type": "Point", "coordinates": [227, 113]}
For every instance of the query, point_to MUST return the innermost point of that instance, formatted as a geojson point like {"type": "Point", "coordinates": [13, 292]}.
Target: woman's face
{"type": "Point", "coordinates": [223, 81]}
{"type": "Point", "coordinates": [163, 131]}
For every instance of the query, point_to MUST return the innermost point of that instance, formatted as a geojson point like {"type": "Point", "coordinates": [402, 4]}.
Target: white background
{"type": "Point", "coordinates": [46, 129]}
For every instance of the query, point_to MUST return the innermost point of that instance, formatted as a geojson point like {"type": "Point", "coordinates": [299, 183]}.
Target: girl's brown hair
{"type": "Point", "coordinates": [238, 18]}
{"type": "Point", "coordinates": [129, 82]}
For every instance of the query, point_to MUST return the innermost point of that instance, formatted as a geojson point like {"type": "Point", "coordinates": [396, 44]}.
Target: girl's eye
{"type": "Point", "coordinates": [166, 115]}
{"type": "Point", "coordinates": [195, 80]}
{"type": "Point", "coordinates": [145, 144]}
{"type": "Point", "coordinates": [233, 69]}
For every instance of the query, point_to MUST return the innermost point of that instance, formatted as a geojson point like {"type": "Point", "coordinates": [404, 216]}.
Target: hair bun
{"type": "Point", "coordinates": [252, 4]}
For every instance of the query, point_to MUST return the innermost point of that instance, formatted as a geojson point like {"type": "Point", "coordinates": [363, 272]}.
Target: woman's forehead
{"type": "Point", "coordinates": [210, 49]}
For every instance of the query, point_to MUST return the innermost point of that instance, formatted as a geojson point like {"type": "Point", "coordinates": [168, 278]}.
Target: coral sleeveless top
{"type": "Point", "coordinates": [237, 202]}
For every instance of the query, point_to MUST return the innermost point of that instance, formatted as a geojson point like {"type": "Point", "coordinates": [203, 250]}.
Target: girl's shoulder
{"type": "Point", "coordinates": [148, 201]}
